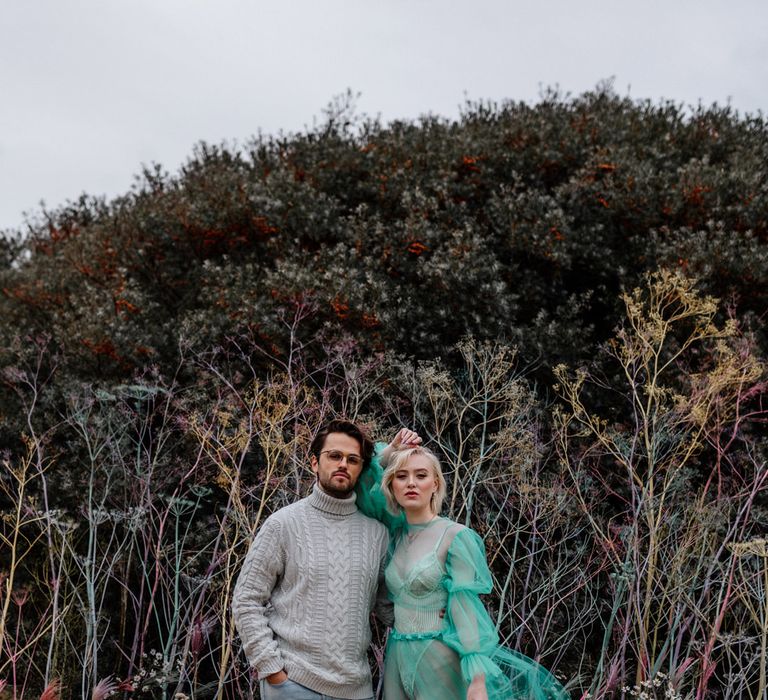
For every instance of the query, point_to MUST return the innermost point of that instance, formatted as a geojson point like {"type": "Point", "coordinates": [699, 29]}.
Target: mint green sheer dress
{"type": "Point", "coordinates": [440, 567]}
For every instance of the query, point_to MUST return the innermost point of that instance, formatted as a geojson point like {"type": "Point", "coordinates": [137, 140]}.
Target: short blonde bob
{"type": "Point", "coordinates": [396, 462]}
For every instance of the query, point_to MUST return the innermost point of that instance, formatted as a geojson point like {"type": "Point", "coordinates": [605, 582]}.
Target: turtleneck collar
{"type": "Point", "coordinates": [333, 506]}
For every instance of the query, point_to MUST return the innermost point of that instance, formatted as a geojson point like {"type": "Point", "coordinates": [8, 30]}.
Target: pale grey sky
{"type": "Point", "coordinates": [91, 89]}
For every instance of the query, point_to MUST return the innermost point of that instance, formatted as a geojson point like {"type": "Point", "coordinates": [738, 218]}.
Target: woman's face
{"type": "Point", "coordinates": [414, 483]}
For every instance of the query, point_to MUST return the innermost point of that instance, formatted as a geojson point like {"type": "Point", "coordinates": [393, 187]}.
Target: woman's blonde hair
{"type": "Point", "coordinates": [397, 461]}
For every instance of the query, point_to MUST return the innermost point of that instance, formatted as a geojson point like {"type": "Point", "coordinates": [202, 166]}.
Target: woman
{"type": "Point", "coordinates": [444, 645]}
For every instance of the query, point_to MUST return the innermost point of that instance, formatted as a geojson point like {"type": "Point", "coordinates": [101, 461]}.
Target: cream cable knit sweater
{"type": "Point", "coordinates": [304, 596]}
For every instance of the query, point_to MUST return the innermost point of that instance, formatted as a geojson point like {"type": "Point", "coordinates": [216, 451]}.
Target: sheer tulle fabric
{"type": "Point", "coordinates": [443, 636]}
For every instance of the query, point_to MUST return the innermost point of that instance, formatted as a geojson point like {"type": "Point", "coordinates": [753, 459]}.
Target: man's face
{"type": "Point", "coordinates": [339, 464]}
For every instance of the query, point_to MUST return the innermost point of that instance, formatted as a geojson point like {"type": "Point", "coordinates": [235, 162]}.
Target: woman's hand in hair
{"type": "Point", "coordinates": [404, 439]}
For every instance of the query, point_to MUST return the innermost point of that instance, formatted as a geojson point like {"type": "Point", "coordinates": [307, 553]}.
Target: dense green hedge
{"type": "Point", "coordinates": [515, 221]}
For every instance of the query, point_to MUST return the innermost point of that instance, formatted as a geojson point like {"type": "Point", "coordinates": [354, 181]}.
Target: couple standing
{"type": "Point", "coordinates": [318, 567]}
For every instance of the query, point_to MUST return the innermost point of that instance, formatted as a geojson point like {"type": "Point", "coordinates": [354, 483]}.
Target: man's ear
{"type": "Point", "coordinates": [313, 463]}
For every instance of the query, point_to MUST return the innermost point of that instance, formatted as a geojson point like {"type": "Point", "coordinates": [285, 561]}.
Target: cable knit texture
{"type": "Point", "coordinates": [304, 596]}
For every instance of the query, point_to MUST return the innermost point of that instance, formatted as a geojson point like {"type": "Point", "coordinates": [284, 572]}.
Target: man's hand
{"type": "Point", "coordinates": [476, 690]}
{"type": "Point", "coordinates": [275, 678]}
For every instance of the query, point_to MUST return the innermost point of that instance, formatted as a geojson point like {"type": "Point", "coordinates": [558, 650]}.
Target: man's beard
{"type": "Point", "coordinates": [327, 485]}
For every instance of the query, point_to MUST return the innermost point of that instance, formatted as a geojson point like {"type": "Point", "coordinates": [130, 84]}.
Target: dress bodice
{"type": "Point", "coordinates": [415, 576]}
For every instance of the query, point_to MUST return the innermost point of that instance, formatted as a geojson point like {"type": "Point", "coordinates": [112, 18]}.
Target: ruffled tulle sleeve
{"type": "Point", "coordinates": [370, 498]}
{"type": "Point", "coordinates": [469, 629]}
{"type": "Point", "coordinates": [472, 634]}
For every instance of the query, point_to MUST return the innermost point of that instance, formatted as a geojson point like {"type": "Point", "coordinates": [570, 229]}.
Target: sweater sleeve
{"type": "Point", "coordinates": [263, 566]}
{"type": "Point", "coordinates": [469, 629]}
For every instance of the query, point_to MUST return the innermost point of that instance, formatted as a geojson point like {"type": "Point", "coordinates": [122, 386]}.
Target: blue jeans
{"type": "Point", "coordinates": [291, 690]}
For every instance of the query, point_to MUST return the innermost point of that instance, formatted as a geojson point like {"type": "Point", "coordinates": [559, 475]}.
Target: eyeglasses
{"type": "Point", "coordinates": [336, 457]}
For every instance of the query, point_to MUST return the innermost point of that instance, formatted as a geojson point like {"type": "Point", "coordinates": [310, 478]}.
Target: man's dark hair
{"type": "Point", "coordinates": [339, 425]}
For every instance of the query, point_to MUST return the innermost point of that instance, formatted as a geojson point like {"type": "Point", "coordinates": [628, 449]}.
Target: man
{"type": "Point", "coordinates": [310, 579]}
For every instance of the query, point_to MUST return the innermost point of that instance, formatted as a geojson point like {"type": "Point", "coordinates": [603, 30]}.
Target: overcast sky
{"type": "Point", "coordinates": [92, 89]}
